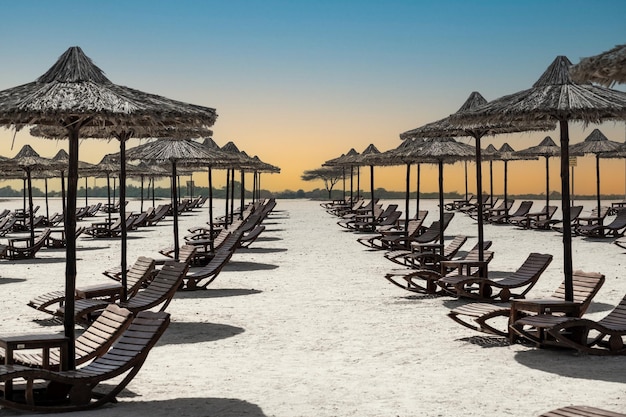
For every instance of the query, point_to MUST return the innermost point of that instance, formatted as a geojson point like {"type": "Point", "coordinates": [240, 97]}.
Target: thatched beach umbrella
{"type": "Point", "coordinates": [548, 149]}
{"type": "Point", "coordinates": [63, 158]}
{"type": "Point", "coordinates": [599, 145]}
{"type": "Point", "coordinates": [75, 94]}
{"type": "Point", "coordinates": [506, 153]}
{"type": "Point", "coordinates": [185, 152]}
{"type": "Point", "coordinates": [345, 160]}
{"type": "Point", "coordinates": [554, 97]}
{"type": "Point", "coordinates": [606, 68]}
{"type": "Point", "coordinates": [441, 151]}
{"type": "Point", "coordinates": [368, 158]}
{"type": "Point", "coordinates": [486, 153]}
{"type": "Point", "coordinates": [28, 160]}
{"type": "Point", "coordinates": [448, 128]}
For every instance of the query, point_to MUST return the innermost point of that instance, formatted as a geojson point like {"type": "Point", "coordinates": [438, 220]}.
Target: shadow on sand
{"type": "Point", "coordinates": [571, 364]}
{"type": "Point", "coordinates": [186, 332]}
{"type": "Point", "coordinates": [248, 266]}
{"type": "Point", "coordinates": [216, 293]}
{"type": "Point", "coordinates": [4, 280]}
{"type": "Point", "coordinates": [262, 250]}
{"type": "Point", "coordinates": [223, 407]}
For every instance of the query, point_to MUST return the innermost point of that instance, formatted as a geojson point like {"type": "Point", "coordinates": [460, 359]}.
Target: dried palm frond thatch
{"type": "Point", "coordinates": [605, 69]}
{"type": "Point", "coordinates": [555, 97]}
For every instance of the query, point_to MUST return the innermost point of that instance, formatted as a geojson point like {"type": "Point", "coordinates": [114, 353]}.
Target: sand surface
{"type": "Point", "coordinates": [304, 324]}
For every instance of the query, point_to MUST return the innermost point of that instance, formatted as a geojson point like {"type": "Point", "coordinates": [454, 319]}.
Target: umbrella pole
{"type": "Point", "coordinates": [343, 177]}
{"type": "Point", "coordinates": [407, 196]}
{"type": "Point", "coordinates": [351, 185]}
{"type": "Point", "coordinates": [547, 182]}
{"type": "Point", "coordinates": [153, 202]}
{"type": "Point", "coordinates": [211, 201]}
{"type": "Point", "coordinates": [24, 196]}
{"type": "Point", "coordinates": [45, 181]}
{"type": "Point", "coordinates": [506, 182]}
{"type": "Point", "coordinates": [417, 210]}
{"type": "Point", "coordinates": [86, 197]}
{"type": "Point", "coordinates": [466, 189]}
{"type": "Point", "coordinates": [123, 262]}
{"type": "Point", "coordinates": [63, 196]}
{"type": "Point", "coordinates": [232, 195]}
{"type": "Point", "coordinates": [227, 192]}
{"type": "Point", "coordinates": [191, 186]}
{"type": "Point", "coordinates": [31, 215]}
{"type": "Point", "coordinates": [358, 181]}
{"type": "Point", "coordinates": [572, 186]}
{"type": "Point", "coordinates": [242, 193]}
{"type": "Point", "coordinates": [479, 191]}
{"type": "Point", "coordinates": [598, 183]}
{"type": "Point", "coordinates": [175, 209]}
{"type": "Point", "coordinates": [109, 197]}
{"type": "Point", "coordinates": [372, 195]}
{"type": "Point", "coordinates": [491, 184]}
{"type": "Point", "coordinates": [70, 250]}
{"type": "Point", "coordinates": [114, 182]}
{"type": "Point", "coordinates": [441, 202]}
{"type": "Point", "coordinates": [567, 228]}
{"type": "Point", "coordinates": [141, 207]}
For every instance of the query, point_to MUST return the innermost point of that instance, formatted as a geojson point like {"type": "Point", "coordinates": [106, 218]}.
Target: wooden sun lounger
{"type": "Point", "coordinates": [522, 210]}
{"type": "Point", "coordinates": [484, 317]}
{"type": "Point", "coordinates": [581, 411]}
{"type": "Point", "coordinates": [614, 229]}
{"type": "Point", "coordinates": [428, 256]}
{"type": "Point", "coordinates": [94, 341]}
{"type": "Point", "coordinates": [201, 278]}
{"type": "Point", "coordinates": [158, 293]}
{"type": "Point", "coordinates": [603, 337]}
{"type": "Point", "coordinates": [74, 390]}
{"type": "Point", "coordinates": [17, 248]}
{"type": "Point", "coordinates": [424, 281]}
{"type": "Point", "coordinates": [482, 288]}
{"type": "Point", "coordinates": [138, 276]}
{"type": "Point", "coordinates": [557, 225]}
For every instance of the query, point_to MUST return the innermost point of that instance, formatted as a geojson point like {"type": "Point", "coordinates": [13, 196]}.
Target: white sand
{"type": "Point", "coordinates": [304, 324]}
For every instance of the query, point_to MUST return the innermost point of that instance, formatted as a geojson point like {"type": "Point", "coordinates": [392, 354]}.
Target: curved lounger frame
{"type": "Point", "coordinates": [74, 390]}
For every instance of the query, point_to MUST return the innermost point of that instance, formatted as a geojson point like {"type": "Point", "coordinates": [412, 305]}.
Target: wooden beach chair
{"type": "Point", "coordinates": [485, 317]}
{"type": "Point", "coordinates": [74, 390]}
{"type": "Point", "coordinates": [522, 210]}
{"type": "Point", "coordinates": [19, 248]}
{"type": "Point", "coordinates": [482, 288]}
{"type": "Point", "coordinates": [614, 229]}
{"type": "Point", "coordinates": [426, 256]}
{"type": "Point", "coordinates": [606, 336]}
{"type": "Point", "coordinates": [138, 276]}
{"type": "Point", "coordinates": [94, 341]}
{"type": "Point", "coordinates": [201, 278]}
{"type": "Point", "coordinates": [158, 293]}
{"type": "Point", "coordinates": [424, 281]}
{"type": "Point", "coordinates": [581, 411]}
{"type": "Point", "coordinates": [557, 225]}
{"type": "Point", "coordinates": [596, 218]}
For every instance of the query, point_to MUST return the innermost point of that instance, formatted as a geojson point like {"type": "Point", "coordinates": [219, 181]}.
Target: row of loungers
{"type": "Point", "coordinates": [549, 321]}
{"type": "Point", "coordinates": [119, 333]}
{"type": "Point", "coordinates": [499, 306]}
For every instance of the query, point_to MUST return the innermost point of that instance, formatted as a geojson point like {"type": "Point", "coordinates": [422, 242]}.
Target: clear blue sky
{"type": "Point", "coordinates": [300, 82]}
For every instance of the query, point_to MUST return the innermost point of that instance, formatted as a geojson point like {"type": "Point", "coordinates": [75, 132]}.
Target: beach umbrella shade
{"type": "Point", "coordinates": [74, 94]}
{"type": "Point", "coordinates": [64, 159]}
{"type": "Point", "coordinates": [184, 152]}
{"type": "Point", "coordinates": [486, 153]}
{"type": "Point", "coordinates": [506, 153]}
{"type": "Point", "coordinates": [600, 146]}
{"type": "Point", "coordinates": [548, 149]}
{"type": "Point", "coordinates": [448, 128]}
{"type": "Point", "coordinates": [345, 160]}
{"type": "Point", "coordinates": [555, 97]}
{"type": "Point", "coordinates": [28, 160]}
{"type": "Point", "coordinates": [441, 151]}
{"type": "Point", "coordinates": [606, 68]}
{"type": "Point", "coordinates": [368, 158]}
{"type": "Point", "coordinates": [403, 154]}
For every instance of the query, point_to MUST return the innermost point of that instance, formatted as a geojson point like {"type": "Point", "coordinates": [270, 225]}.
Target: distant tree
{"type": "Point", "coordinates": [330, 176]}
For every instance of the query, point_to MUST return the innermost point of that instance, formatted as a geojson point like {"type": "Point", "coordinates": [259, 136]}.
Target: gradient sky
{"type": "Point", "coordinates": [301, 82]}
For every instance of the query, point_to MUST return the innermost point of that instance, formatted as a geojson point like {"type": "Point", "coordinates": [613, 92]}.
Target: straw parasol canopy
{"type": "Point", "coordinates": [75, 94]}
{"type": "Point", "coordinates": [606, 68]}
{"type": "Point", "coordinates": [185, 152]}
{"type": "Point", "coordinates": [555, 97]}
{"type": "Point", "coordinates": [506, 153]}
{"type": "Point", "coordinates": [599, 145]}
{"type": "Point", "coordinates": [28, 160]}
{"type": "Point", "coordinates": [441, 151]}
{"type": "Point", "coordinates": [548, 149]}
{"type": "Point", "coordinates": [369, 157]}
{"type": "Point", "coordinates": [448, 127]}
